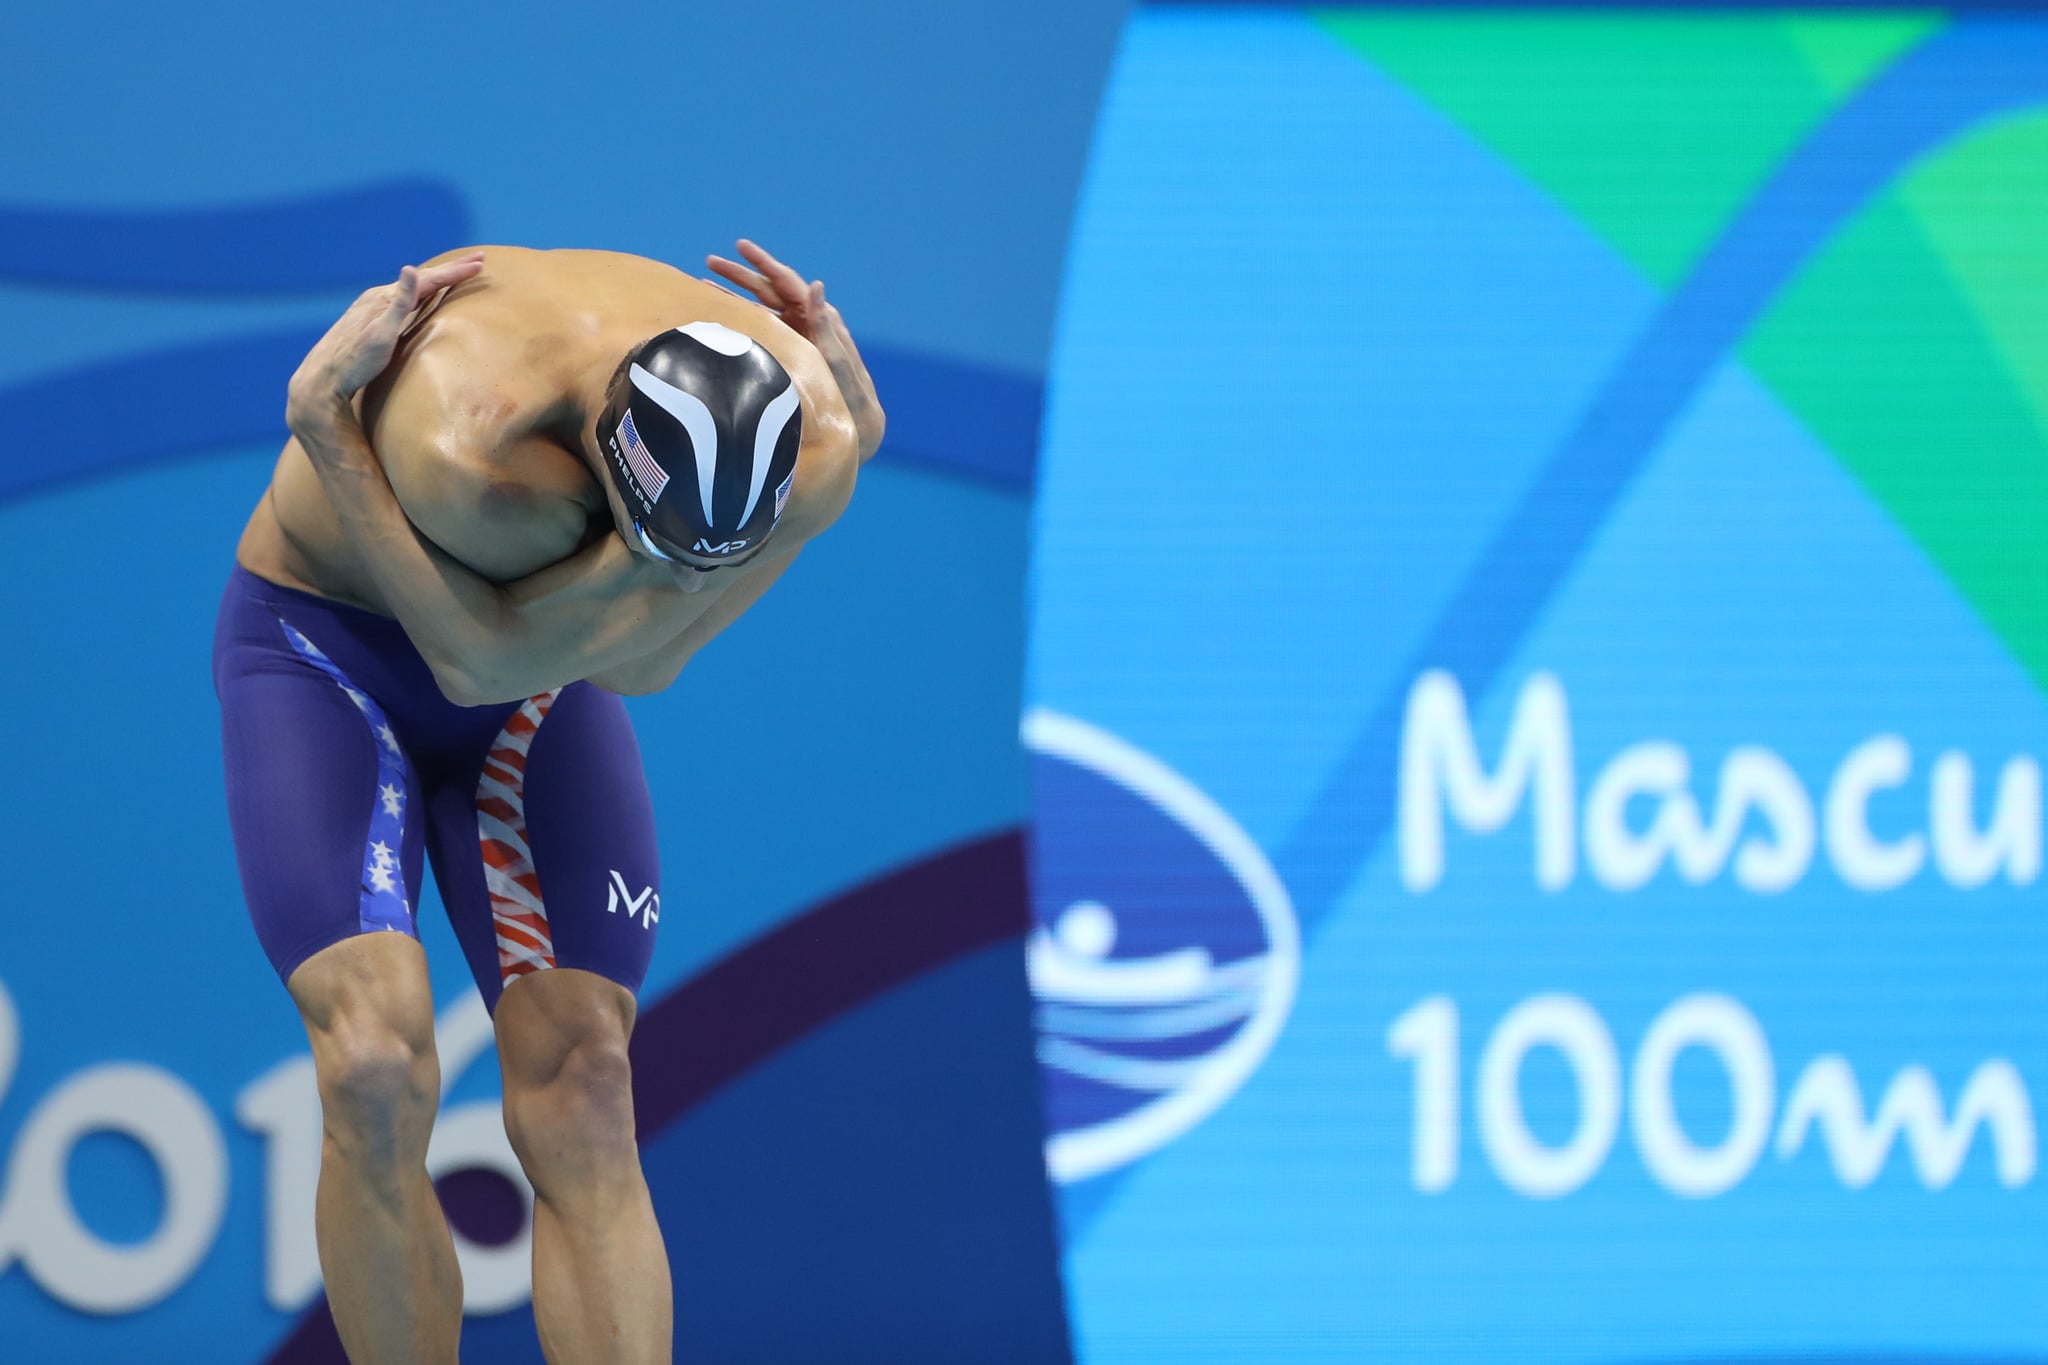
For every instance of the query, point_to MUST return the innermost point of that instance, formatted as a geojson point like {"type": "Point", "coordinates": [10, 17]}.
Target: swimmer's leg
{"type": "Point", "coordinates": [321, 798]}
{"type": "Point", "coordinates": [392, 1280]}
{"type": "Point", "coordinates": [547, 864]}
{"type": "Point", "coordinates": [601, 1288]}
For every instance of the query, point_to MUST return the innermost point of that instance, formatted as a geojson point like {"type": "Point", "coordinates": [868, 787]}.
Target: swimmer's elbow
{"type": "Point", "coordinates": [476, 682]}
{"type": "Point", "coordinates": [459, 685]}
{"type": "Point", "coordinates": [642, 677]}
{"type": "Point", "coordinates": [629, 687]}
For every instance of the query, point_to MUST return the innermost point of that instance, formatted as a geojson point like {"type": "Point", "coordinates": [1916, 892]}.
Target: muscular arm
{"type": "Point", "coordinates": [596, 611]}
{"type": "Point", "coordinates": [656, 671]}
{"type": "Point", "coordinates": [486, 642]}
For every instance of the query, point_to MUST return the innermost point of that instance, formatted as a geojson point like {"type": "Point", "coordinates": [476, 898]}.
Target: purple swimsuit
{"type": "Point", "coordinates": [345, 764]}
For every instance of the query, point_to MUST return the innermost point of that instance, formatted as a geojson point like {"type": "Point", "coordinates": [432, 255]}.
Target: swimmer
{"type": "Point", "coordinates": [519, 484]}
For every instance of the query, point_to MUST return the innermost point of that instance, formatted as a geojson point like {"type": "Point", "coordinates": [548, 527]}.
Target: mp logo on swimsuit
{"type": "Point", "coordinates": [646, 906]}
{"type": "Point", "coordinates": [1165, 955]}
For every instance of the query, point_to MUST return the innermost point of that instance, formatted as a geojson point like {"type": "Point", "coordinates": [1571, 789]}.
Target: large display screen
{"type": "Point", "coordinates": [1539, 634]}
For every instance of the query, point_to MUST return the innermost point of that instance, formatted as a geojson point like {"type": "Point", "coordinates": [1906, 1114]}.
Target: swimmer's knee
{"type": "Point", "coordinates": [568, 1079]}
{"type": "Point", "coordinates": [372, 1029]}
{"type": "Point", "coordinates": [379, 1089]}
{"type": "Point", "coordinates": [579, 1121]}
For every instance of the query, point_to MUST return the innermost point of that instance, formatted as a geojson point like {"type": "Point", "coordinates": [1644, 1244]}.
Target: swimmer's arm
{"type": "Point", "coordinates": [485, 643]}
{"type": "Point", "coordinates": [657, 671]}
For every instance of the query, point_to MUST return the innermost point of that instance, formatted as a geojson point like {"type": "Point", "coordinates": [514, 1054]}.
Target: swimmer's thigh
{"type": "Point", "coordinates": [320, 812]}
{"type": "Point", "coordinates": [548, 858]}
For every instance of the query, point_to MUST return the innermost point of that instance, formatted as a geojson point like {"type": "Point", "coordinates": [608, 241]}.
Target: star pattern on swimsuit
{"type": "Point", "coordinates": [380, 880]}
{"type": "Point", "coordinates": [390, 740]}
{"type": "Point", "coordinates": [392, 797]}
{"type": "Point", "coordinates": [380, 853]}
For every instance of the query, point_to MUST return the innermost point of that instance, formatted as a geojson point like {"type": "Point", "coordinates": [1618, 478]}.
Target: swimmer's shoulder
{"type": "Point", "coordinates": [589, 306]}
{"type": "Point", "coordinates": [828, 462]}
{"type": "Point", "coordinates": [618, 300]}
{"type": "Point", "coordinates": [558, 278]}
{"type": "Point", "coordinates": [473, 422]}
{"type": "Point", "coordinates": [497, 364]}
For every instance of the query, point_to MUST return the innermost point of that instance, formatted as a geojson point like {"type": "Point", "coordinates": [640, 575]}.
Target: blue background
{"type": "Point", "coordinates": [1316, 387]}
{"type": "Point", "coordinates": [187, 196]}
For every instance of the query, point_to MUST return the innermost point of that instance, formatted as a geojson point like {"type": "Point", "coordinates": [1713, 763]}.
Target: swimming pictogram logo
{"type": "Point", "coordinates": [1165, 954]}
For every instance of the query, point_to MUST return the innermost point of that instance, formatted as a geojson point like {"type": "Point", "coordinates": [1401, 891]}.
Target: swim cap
{"type": "Point", "coordinates": [701, 440]}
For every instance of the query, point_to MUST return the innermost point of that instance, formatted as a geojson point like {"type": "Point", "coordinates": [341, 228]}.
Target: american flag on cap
{"type": "Point", "coordinates": [653, 478]}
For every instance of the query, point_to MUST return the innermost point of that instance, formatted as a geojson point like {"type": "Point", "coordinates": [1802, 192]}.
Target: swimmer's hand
{"type": "Point", "coordinates": [803, 308]}
{"type": "Point", "coordinates": [358, 347]}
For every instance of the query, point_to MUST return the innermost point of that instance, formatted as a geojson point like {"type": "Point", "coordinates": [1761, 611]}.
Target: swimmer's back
{"type": "Point", "coordinates": [479, 419]}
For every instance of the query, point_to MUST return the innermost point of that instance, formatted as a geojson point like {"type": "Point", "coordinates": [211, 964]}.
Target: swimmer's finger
{"type": "Point", "coordinates": [761, 258]}
{"type": "Point", "coordinates": [737, 273]}
{"type": "Point", "coordinates": [787, 282]}
{"type": "Point", "coordinates": [809, 316]}
{"type": "Point", "coordinates": [835, 343]}
{"type": "Point", "coordinates": [390, 304]}
{"type": "Point", "coordinates": [434, 278]}
{"type": "Point", "coordinates": [751, 281]}
{"type": "Point", "coordinates": [828, 317]}
{"type": "Point", "coordinates": [726, 286]}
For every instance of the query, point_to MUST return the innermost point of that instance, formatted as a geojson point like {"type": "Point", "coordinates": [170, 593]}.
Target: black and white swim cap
{"type": "Point", "coordinates": [701, 439]}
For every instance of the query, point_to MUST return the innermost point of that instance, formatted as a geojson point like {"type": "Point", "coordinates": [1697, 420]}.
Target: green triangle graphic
{"type": "Point", "coordinates": [1652, 130]}
{"type": "Point", "coordinates": [1916, 348]}
{"type": "Point", "coordinates": [1984, 206]}
{"type": "Point", "coordinates": [1843, 51]}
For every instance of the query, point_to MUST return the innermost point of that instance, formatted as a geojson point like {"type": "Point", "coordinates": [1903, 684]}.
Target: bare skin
{"type": "Point", "coordinates": [444, 470]}
{"type": "Point", "coordinates": [458, 485]}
